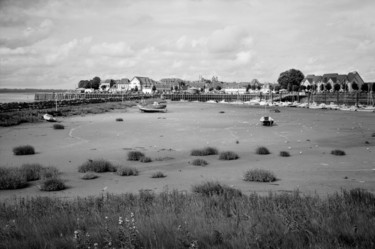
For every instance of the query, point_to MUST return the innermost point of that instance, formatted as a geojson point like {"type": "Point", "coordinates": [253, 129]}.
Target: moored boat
{"type": "Point", "coordinates": [266, 121]}
{"type": "Point", "coordinates": [49, 118]}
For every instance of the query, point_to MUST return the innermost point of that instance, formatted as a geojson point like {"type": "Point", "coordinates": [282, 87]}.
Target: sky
{"type": "Point", "coordinates": [57, 43]}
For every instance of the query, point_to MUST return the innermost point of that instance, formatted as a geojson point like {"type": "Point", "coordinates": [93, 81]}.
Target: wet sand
{"type": "Point", "coordinates": [308, 135]}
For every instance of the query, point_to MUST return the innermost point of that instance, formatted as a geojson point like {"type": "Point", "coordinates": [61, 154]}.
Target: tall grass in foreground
{"type": "Point", "coordinates": [179, 220]}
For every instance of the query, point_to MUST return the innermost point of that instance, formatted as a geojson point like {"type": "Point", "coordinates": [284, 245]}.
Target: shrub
{"type": "Point", "coordinates": [31, 171]}
{"type": "Point", "coordinates": [259, 175]}
{"type": "Point", "coordinates": [145, 159]}
{"type": "Point", "coordinates": [52, 184]}
{"type": "Point", "coordinates": [262, 151]}
{"type": "Point", "coordinates": [127, 171]}
{"type": "Point", "coordinates": [158, 174]}
{"type": "Point", "coordinates": [119, 119]}
{"type": "Point", "coordinates": [204, 152]}
{"type": "Point", "coordinates": [284, 154]}
{"type": "Point", "coordinates": [23, 150]}
{"type": "Point", "coordinates": [215, 188]}
{"type": "Point", "coordinates": [98, 166]}
{"type": "Point", "coordinates": [49, 172]}
{"type": "Point", "coordinates": [135, 155]}
{"type": "Point", "coordinates": [338, 153]}
{"type": "Point", "coordinates": [89, 176]}
{"type": "Point", "coordinates": [228, 155]}
{"type": "Point", "coordinates": [12, 178]}
{"type": "Point", "coordinates": [58, 127]}
{"type": "Point", "coordinates": [199, 162]}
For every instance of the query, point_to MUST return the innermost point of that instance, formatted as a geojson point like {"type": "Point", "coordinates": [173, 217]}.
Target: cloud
{"type": "Point", "coordinates": [117, 49]}
{"type": "Point", "coordinates": [228, 39]}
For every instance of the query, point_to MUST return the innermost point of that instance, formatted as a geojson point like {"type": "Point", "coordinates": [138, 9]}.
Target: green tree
{"type": "Point", "coordinates": [253, 87]}
{"type": "Point", "coordinates": [84, 84]}
{"type": "Point", "coordinates": [277, 88]}
{"type": "Point", "coordinates": [95, 82]}
{"type": "Point", "coordinates": [355, 86]}
{"type": "Point", "coordinates": [153, 88]}
{"type": "Point", "coordinates": [292, 77]}
{"type": "Point", "coordinates": [321, 87]}
{"type": "Point", "coordinates": [364, 88]}
{"type": "Point", "coordinates": [111, 83]}
{"type": "Point", "coordinates": [218, 88]}
{"type": "Point", "coordinates": [336, 87]}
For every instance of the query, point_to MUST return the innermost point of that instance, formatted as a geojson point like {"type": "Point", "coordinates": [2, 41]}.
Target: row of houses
{"type": "Point", "coordinates": [332, 81]}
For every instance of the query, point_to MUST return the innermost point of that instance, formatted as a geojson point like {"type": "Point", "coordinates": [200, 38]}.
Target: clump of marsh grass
{"type": "Point", "coordinates": [52, 184]}
{"type": "Point", "coordinates": [158, 174]}
{"type": "Point", "coordinates": [119, 119]}
{"type": "Point", "coordinates": [259, 175]}
{"type": "Point", "coordinates": [207, 151]}
{"type": "Point", "coordinates": [98, 166]}
{"type": "Point", "coordinates": [89, 176]}
{"type": "Point", "coordinates": [24, 150]}
{"type": "Point", "coordinates": [338, 153]}
{"type": "Point", "coordinates": [284, 154]}
{"type": "Point", "coordinates": [145, 159]}
{"type": "Point", "coordinates": [49, 172]}
{"type": "Point", "coordinates": [135, 155]}
{"type": "Point", "coordinates": [58, 127]}
{"type": "Point", "coordinates": [211, 188]}
{"type": "Point", "coordinates": [228, 155]}
{"type": "Point", "coordinates": [262, 151]}
{"type": "Point", "coordinates": [127, 171]}
{"type": "Point", "coordinates": [199, 162]}
{"type": "Point", "coordinates": [12, 178]}
{"type": "Point", "coordinates": [32, 171]}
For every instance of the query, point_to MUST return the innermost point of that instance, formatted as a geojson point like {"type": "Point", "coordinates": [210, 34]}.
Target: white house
{"type": "Point", "coordinates": [104, 87]}
{"type": "Point", "coordinates": [122, 85]}
{"type": "Point", "coordinates": [142, 84]}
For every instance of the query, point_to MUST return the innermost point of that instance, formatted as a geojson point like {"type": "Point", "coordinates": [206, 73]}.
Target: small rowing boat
{"type": "Point", "coordinates": [49, 118]}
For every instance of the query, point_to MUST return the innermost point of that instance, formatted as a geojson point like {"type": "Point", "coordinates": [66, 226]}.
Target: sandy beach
{"type": "Point", "coordinates": [308, 135]}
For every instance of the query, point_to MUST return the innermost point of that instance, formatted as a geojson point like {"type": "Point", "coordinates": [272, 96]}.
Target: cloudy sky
{"type": "Point", "coordinates": [56, 43]}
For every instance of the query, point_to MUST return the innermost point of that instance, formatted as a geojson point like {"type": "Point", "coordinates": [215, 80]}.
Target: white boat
{"type": "Point", "coordinates": [266, 121]}
{"type": "Point", "coordinates": [367, 109]}
{"type": "Point", "coordinates": [49, 118]}
{"type": "Point", "coordinates": [303, 105]}
{"type": "Point", "coordinates": [211, 101]}
{"type": "Point", "coordinates": [155, 107]}
{"type": "Point", "coordinates": [350, 108]}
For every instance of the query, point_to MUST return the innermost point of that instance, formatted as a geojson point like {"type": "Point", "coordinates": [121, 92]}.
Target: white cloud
{"type": "Point", "coordinates": [116, 49]}
{"type": "Point", "coordinates": [228, 39]}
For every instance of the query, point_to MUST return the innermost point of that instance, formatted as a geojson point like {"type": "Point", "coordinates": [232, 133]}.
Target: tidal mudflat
{"type": "Point", "coordinates": [168, 139]}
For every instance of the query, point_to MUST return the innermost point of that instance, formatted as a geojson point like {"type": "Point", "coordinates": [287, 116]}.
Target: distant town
{"type": "Point", "coordinates": [291, 80]}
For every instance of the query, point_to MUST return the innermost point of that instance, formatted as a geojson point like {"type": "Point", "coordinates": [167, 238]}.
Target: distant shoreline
{"type": "Point", "coordinates": [29, 90]}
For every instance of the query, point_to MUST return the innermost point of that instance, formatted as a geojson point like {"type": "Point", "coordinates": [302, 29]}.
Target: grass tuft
{"type": "Point", "coordinates": [259, 175]}
{"type": "Point", "coordinates": [32, 171]}
{"type": "Point", "coordinates": [262, 151]}
{"type": "Point", "coordinates": [52, 184]}
{"type": "Point", "coordinates": [199, 162]}
{"type": "Point", "coordinates": [58, 127]}
{"type": "Point", "coordinates": [98, 166]}
{"type": "Point", "coordinates": [204, 152]}
{"type": "Point", "coordinates": [89, 176]}
{"type": "Point", "coordinates": [135, 155]}
{"type": "Point", "coordinates": [215, 188]}
{"type": "Point", "coordinates": [145, 159]}
{"type": "Point", "coordinates": [284, 154]}
{"type": "Point", "coordinates": [12, 178]}
{"type": "Point", "coordinates": [49, 172]}
{"type": "Point", "coordinates": [127, 171]}
{"type": "Point", "coordinates": [158, 174]}
{"type": "Point", "coordinates": [338, 153]}
{"type": "Point", "coordinates": [228, 155]}
{"type": "Point", "coordinates": [24, 150]}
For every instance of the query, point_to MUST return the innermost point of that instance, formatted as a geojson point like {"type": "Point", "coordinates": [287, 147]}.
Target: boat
{"type": "Point", "coordinates": [155, 107]}
{"type": "Point", "coordinates": [366, 109]}
{"type": "Point", "coordinates": [49, 118]}
{"type": "Point", "coordinates": [266, 121]}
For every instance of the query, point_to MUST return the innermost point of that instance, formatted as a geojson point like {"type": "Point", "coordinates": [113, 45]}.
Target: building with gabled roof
{"type": "Point", "coordinates": [143, 84]}
{"type": "Point", "coordinates": [351, 81]}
